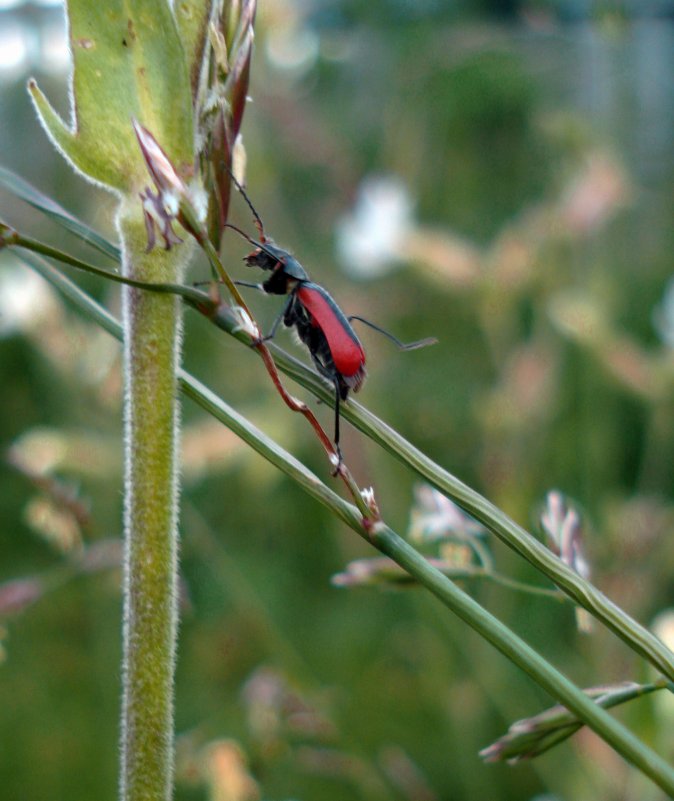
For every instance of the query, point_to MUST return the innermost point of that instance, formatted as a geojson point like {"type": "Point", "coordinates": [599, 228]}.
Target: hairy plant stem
{"type": "Point", "coordinates": [152, 326]}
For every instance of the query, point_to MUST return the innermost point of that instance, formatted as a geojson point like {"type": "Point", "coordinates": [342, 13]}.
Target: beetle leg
{"type": "Point", "coordinates": [338, 396]}
{"type": "Point", "coordinates": [277, 321]}
{"type": "Point", "coordinates": [421, 343]}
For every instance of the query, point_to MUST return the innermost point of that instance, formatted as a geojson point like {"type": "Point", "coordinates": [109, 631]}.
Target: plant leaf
{"type": "Point", "coordinates": [38, 200]}
{"type": "Point", "coordinates": [128, 63]}
{"type": "Point", "coordinates": [192, 17]}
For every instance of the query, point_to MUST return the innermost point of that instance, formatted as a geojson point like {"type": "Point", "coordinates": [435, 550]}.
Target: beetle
{"type": "Point", "coordinates": [310, 309]}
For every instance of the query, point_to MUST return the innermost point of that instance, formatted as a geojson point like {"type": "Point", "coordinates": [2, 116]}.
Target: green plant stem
{"type": "Point", "coordinates": [13, 238]}
{"type": "Point", "coordinates": [378, 571]}
{"type": "Point", "coordinates": [389, 543]}
{"type": "Point", "coordinates": [521, 541]}
{"type": "Point", "coordinates": [151, 351]}
{"type": "Point", "coordinates": [519, 586]}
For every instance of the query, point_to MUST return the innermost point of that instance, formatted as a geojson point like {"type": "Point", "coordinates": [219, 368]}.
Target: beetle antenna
{"type": "Point", "coordinates": [420, 343]}
{"type": "Point", "coordinates": [256, 217]}
{"type": "Point", "coordinates": [245, 236]}
{"type": "Point", "coordinates": [252, 241]}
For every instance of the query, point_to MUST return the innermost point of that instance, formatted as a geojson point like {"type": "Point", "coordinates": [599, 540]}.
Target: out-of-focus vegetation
{"type": "Point", "coordinates": [515, 174]}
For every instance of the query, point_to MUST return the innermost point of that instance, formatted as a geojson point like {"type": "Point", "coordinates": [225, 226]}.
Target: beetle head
{"type": "Point", "coordinates": [286, 270]}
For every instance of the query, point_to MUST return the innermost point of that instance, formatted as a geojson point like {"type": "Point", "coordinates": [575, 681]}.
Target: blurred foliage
{"type": "Point", "coordinates": [538, 251]}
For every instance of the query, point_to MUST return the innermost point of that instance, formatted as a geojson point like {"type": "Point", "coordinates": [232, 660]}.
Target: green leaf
{"type": "Point", "coordinates": [128, 63]}
{"type": "Point", "coordinates": [29, 194]}
{"type": "Point", "coordinates": [192, 17]}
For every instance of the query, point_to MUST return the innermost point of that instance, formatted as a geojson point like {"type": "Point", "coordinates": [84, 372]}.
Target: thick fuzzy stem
{"type": "Point", "coordinates": [152, 328]}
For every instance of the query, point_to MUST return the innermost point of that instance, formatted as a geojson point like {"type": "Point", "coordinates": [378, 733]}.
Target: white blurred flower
{"type": "Point", "coordinates": [563, 527]}
{"type": "Point", "coordinates": [25, 299]}
{"type": "Point", "coordinates": [435, 518]}
{"type": "Point", "coordinates": [369, 239]}
{"type": "Point", "coordinates": [14, 49]}
{"type": "Point", "coordinates": [292, 48]}
{"type": "Point", "coordinates": [663, 627]}
{"type": "Point", "coordinates": [367, 495]}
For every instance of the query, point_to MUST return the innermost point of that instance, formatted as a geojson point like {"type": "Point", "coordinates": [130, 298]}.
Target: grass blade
{"type": "Point", "coordinates": [29, 194]}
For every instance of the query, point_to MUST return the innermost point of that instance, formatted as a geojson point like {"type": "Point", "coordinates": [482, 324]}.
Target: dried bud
{"type": "Point", "coordinates": [380, 570]}
{"type": "Point", "coordinates": [533, 736]}
{"type": "Point", "coordinates": [163, 173]}
{"type": "Point", "coordinates": [404, 774]}
{"type": "Point", "coordinates": [160, 209]}
{"type": "Point", "coordinates": [435, 518]}
{"type": "Point", "coordinates": [8, 236]}
{"type": "Point", "coordinates": [102, 555]}
{"type": "Point", "coordinates": [366, 572]}
{"type": "Point", "coordinates": [367, 495]}
{"type": "Point", "coordinates": [158, 217]}
{"type": "Point", "coordinates": [55, 523]}
{"type": "Point", "coordinates": [276, 709]}
{"type": "Point", "coordinates": [563, 528]}
{"type": "Point", "coordinates": [226, 772]}
{"type": "Point", "coordinates": [562, 524]}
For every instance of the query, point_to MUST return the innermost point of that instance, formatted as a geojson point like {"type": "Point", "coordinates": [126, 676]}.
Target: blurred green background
{"type": "Point", "coordinates": [496, 174]}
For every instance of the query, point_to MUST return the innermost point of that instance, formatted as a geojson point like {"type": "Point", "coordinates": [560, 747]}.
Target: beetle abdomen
{"type": "Point", "coordinates": [345, 348]}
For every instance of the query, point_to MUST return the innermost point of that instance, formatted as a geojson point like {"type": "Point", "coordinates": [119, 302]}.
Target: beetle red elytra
{"type": "Point", "coordinates": [321, 325]}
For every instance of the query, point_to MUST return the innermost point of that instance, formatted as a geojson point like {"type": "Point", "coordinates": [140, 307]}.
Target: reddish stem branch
{"type": "Point", "coordinates": [293, 403]}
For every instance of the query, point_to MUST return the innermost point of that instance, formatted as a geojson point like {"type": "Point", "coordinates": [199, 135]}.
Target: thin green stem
{"type": "Point", "coordinates": [384, 570]}
{"type": "Point", "coordinates": [518, 586]}
{"type": "Point", "coordinates": [389, 543]}
{"type": "Point", "coordinates": [483, 555]}
{"type": "Point", "coordinates": [13, 238]}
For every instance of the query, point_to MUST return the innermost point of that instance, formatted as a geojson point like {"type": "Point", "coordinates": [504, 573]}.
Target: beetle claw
{"type": "Point", "coordinates": [337, 460]}
{"type": "Point", "coordinates": [255, 343]}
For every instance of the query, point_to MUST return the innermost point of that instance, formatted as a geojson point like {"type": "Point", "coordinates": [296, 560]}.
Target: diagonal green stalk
{"type": "Point", "coordinates": [389, 543]}
{"type": "Point", "coordinates": [152, 326]}
{"type": "Point", "coordinates": [571, 583]}
{"type": "Point", "coordinates": [20, 188]}
{"type": "Point", "coordinates": [525, 544]}
{"type": "Point", "coordinates": [12, 238]}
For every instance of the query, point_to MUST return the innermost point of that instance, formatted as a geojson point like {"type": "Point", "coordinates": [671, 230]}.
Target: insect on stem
{"type": "Point", "coordinates": [320, 324]}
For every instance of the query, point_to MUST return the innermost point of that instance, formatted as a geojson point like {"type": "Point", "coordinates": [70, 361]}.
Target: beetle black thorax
{"type": "Point", "coordinates": [286, 271]}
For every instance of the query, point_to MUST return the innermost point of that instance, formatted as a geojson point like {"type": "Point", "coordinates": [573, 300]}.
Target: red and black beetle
{"type": "Point", "coordinates": [310, 309]}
